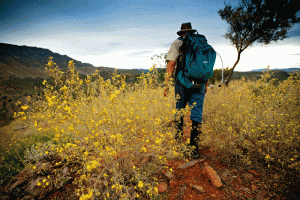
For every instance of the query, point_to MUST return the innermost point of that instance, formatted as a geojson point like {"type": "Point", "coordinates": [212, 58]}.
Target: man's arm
{"type": "Point", "coordinates": [170, 70]}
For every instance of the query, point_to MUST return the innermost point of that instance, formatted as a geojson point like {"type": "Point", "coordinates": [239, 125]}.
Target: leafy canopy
{"type": "Point", "coordinates": [261, 21]}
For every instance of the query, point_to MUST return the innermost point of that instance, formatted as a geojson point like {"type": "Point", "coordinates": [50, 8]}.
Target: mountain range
{"type": "Point", "coordinates": [30, 62]}
{"type": "Point", "coordinates": [288, 70]}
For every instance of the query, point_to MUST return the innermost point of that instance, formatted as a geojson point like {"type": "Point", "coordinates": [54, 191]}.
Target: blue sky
{"type": "Point", "coordinates": [125, 34]}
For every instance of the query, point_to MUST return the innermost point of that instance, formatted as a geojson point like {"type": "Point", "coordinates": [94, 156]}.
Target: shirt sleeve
{"type": "Point", "coordinates": [174, 50]}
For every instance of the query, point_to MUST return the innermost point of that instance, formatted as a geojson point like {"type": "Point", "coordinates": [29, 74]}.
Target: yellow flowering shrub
{"type": "Point", "coordinates": [116, 136]}
{"type": "Point", "coordinates": [255, 120]}
{"type": "Point", "coordinates": [109, 128]}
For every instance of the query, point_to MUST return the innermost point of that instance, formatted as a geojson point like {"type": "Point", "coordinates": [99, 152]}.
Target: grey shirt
{"type": "Point", "coordinates": [174, 50]}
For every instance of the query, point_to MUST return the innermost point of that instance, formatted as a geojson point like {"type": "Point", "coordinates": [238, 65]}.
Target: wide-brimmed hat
{"type": "Point", "coordinates": [186, 27]}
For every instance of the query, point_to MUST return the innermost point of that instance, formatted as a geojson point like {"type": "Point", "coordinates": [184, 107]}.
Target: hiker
{"type": "Point", "coordinates": [190, 96]}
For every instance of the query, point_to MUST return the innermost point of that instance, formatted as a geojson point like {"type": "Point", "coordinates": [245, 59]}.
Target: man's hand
{"type": "Point", "coordinates": [170, 69]}
{"type": "Point", "coordinates": [206, 85]}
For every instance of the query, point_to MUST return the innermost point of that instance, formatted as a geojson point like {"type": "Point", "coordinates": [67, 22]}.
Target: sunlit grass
{"type": "Point", "coordinates": [112, 138]}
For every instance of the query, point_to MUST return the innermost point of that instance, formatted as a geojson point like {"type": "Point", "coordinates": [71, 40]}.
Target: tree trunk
{"type": "Point", "coordinates": [232, 69]}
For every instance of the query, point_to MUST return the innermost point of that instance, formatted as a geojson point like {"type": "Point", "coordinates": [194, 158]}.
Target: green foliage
{"type": "Point", "coordinates": [161, 74]}
{"type": "Point", "coordinates": [5, 118]}
{"type": "Point", "coordinates": [12, 159]}
{"type": "Point", "coordinates": [19, 85]}
{"type": "Point", "coordinates": [252, 75]}
{"type": "Point", "coordinates": [3, 114]}
{"type": "Point", "coordinates": [217, 75]}
{"type": "Point", "coordinates": [261, 21]}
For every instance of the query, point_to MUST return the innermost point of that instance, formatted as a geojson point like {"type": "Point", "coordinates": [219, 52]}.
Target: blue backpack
{"type": "Point", "coordinates": [198, 60]}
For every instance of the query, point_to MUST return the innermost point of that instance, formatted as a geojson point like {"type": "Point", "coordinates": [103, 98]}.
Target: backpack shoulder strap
{"type": "Point", "coordinates": [179, 59]}
{"type": "Point", "coordinates": [180, 38]}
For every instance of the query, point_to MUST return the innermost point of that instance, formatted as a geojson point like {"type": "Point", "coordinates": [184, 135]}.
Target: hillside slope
{"type": "Point", "coordinates": [30, 62]}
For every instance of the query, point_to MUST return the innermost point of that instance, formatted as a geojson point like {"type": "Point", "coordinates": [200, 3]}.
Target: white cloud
{"type": "Point", "coordinates": [126, 59]}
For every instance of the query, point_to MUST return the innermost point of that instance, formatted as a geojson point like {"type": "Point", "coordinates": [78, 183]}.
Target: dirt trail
{"type": "Point", "coordinates": [187, 182]}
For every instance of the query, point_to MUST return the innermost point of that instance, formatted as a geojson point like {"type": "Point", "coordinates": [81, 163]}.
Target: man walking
{"type": "Point", "coordinates": [193, 96]}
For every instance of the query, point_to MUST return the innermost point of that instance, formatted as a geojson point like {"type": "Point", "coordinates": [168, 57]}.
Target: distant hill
{"type": "Point", "coordinates": [288, 70]}
{"type": "Point", "coordinates": [30, 62]}
{"type": "Point", "coordinates": [255, 75]}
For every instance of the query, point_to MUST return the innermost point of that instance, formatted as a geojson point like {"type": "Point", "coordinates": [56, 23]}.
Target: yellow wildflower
{"type": "Point", "coordinates": [25, 107]}
{"type": "Point", "coordinates": [141, 184]}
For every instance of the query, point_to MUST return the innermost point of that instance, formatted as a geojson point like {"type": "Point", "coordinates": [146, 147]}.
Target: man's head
{"type": "Point", "coordinates": [186, 28]}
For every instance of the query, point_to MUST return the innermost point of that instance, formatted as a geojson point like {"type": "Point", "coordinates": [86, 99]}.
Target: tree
{"type": "Point", "coordinates": [261, 21]}
{"type": "Point", "coordinates": [217, 75]}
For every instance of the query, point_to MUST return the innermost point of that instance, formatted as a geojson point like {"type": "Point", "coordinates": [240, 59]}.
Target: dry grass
{"type": "Point", "coordinates": [256, 121]}
{"type": "Point", "coordinates": [112, 138]}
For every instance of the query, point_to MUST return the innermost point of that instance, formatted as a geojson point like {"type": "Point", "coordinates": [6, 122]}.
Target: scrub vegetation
{"type": "Point", "coordinates": [111, 138]}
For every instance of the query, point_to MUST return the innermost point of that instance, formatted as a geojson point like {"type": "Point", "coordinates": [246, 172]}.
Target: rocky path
{"type": "Point", "coordinates": [205, 179]}
{"type": "Point", "coordinates": [208, 179]}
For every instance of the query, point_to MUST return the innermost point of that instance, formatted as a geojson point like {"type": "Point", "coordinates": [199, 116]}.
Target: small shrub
{"type": "Point", "coordinates": [256, 121]}
{"type": "Point", "coordinates": [13, 160]}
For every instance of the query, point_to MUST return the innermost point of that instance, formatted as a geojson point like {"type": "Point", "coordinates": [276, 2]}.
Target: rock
{"type": "Point", "coordinates": [172, 183]}
{"type": "Point", "coordinates": [246, 190]}
{"type": "Point", "coordinates": [197, 188]}
{"type": "Point", "coordinates": [31, 186]}
{"type": "Point", "coordinates": [189, 164]}
{"type": "Point", "coordinates": [225, 175]}
{"type": "Point", "coordinates": [162, 187]}
{"type": "Point", "coordinates": [212, 175]}
{"type": "Point", "coordinates": [254, 187]}
{"type": "Point", "coordinates": [261, 195]}
{"type": "Point", "coordinates": [247, 177]}
{"type": "Point", "coordinates": [276, 177]}
{"type": "Point", "coordinates": [65, 171]}
{"type": "Point", "coordinates": [37, 191]}
{"type": "Point", "coordinates": [254, 172]}
{"type": "Point", "coordinates": [169, 175]}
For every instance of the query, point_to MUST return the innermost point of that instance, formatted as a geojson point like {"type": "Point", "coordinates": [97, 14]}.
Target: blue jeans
{"type": "Point", "coordinates": [190, 96]}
